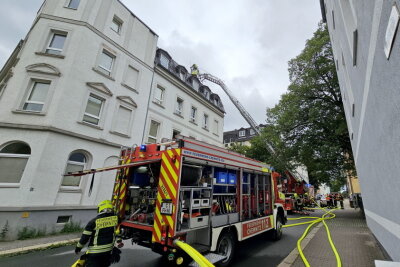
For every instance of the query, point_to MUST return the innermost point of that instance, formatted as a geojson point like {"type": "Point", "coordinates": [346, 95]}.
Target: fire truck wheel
{"type": "Point", "coordinates": [277, 232]}
{"type": "Point", "coordinates": [226, 247]}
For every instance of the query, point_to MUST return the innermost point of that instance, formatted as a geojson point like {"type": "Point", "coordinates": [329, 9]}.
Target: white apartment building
{"type": "Point", "coordinates": [181, 104]}
{"type": "Point", "coordinates": [78, 87]}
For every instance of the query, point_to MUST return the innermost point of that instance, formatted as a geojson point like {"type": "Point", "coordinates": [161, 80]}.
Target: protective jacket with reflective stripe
{"type": "Point", "coordinates": [100, 232]}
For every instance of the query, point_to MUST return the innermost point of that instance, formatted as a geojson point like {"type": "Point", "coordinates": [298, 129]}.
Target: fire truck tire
{"type": "Point", "coordinates": [277, 232]}
{"type": "Point", "coordinates": [226, 246]}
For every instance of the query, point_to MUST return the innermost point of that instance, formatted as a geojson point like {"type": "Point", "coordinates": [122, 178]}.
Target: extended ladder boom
{"type": "Point", "coordinates": [238, 105]}
{"type": "Point", "coordinates": [245, 114]}
{"type": "Point", "coordinates": [242, 110]}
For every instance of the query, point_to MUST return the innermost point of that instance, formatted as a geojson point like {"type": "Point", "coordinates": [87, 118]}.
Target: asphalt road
{"type": "Point", "coordinates": [256, 251]}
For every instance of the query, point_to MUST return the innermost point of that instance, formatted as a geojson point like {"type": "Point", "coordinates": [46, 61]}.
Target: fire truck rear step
{"type": "Point", "coordinates": [211, 257]}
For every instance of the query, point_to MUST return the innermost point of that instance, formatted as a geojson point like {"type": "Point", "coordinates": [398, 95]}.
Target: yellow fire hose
{"type": "Point", "coordinates": [196, 256]}
{"type": "Point", "coordinates": [312, 223]}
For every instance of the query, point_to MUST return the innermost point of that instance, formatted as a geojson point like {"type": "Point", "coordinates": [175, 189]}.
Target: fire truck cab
{"type": "Point", "coordinates": [192, 191]}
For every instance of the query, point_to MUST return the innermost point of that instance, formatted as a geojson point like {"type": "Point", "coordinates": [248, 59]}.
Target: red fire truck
{"type": "Point", "coordinates": [205, 195]}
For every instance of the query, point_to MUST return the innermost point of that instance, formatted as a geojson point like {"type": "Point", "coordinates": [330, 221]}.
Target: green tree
{"type": "Point", "coordinates": [308, 124]}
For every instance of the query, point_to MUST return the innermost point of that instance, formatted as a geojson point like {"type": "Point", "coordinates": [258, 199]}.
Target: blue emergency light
{"type": "Point", "coordinates": [143, 148]}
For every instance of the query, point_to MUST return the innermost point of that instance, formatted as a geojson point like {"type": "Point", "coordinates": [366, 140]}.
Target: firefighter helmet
{"type": "Point", "coordinates": [105, 204]}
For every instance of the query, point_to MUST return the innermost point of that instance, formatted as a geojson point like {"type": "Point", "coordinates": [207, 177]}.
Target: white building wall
{"type": "Point", "coordinates": [169, 120]}
{"type": "Point", "coordinates": [58, 130]}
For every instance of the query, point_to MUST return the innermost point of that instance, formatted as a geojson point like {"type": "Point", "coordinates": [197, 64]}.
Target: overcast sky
{"type": "Point", "coordinates": [246, 43]}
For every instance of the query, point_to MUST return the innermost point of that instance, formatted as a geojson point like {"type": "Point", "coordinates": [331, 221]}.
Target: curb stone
{"type": "Point", "coordinates": [18, 251]}
{"type": "Point", "coordinates": [291, 258]}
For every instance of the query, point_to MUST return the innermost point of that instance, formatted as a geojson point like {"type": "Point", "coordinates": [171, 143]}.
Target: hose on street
{"type": "Point", "coordinates": [327, 216]}
{"type": "Point", "coordinates": [194, 254]}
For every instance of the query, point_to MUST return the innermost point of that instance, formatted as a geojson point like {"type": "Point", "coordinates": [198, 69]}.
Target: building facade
{"type": "Point", "coordinates": [366, 47]}
{"type": "Point", "coordinates": [76, 89]}
{"type": "Point", "coordinates": [240, 136]}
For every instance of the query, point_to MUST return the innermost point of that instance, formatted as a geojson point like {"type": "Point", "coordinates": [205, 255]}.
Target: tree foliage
{"type": "Point", "coordinates": [308, 124]}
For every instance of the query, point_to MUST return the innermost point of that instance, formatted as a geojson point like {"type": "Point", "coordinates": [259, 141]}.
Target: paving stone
{"type": "Point", "coordinates": [352, 238]}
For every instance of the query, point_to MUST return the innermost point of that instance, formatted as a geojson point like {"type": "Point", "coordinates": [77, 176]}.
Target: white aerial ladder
{"type": "Point", "coordinates": [246, 115]}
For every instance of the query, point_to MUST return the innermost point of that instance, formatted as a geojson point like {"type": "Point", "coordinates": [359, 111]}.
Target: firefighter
{"type": "Point", "coordinates": [298, 202]}
{"type": "Point", "coordinates": [341, 201]}
{"type": "Point", "coordinates": [335, 198]}
{"type": "Point", "coordinates": [194, 70]}
{"type": "Point", "coordinates": [328, 201]}
{"type": "Point", "coordinates": [100, 232]}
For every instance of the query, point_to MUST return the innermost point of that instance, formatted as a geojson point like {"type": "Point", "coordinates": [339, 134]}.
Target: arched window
{"type": "Point", "coordinates": [13, 159]}
{"type": "Point", "coordinates": [77, 161]}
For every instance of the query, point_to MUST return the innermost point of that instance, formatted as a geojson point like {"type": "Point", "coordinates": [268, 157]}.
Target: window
{"type": "Point", "coordinates": [73, 4]}
{"type": "Point", "coordinates": [175, 133]}
{"type": "Point", "coordinates": [132, 76]}
{"type": "Point", "coordinates": [206, 94]}
{"type": "Point", "coordinates": [179, 106]}
{"type": "Point", "coordinates": [2, 86]}
{"type": "Point", "coordinates": [196, 85]}
{"type": "Point", "coordinates": [76, 162]}
{"type": "Point", "coordinates": [56, 43]}
{"type": "Point", "coordinates": [205, 121]}
{"type": "Point", "coordinates": [159, 95]}
{"type": "Point", "coordinates": [252, 132]}
{"type": "Point", "coordinates": [153, 132]}
{"type": "Point", "coordinates": [116, 25]}
{"type": "Point", "coordinates": [93, 109]}
{"type": "Point", "coordinates": [106, 62]}
{"type": "Point", "coordinates": [36, 96]}
{"type": "Point", "coordinates": [193, 114]}
{"type": "Point", "coordinates": [216, 126]}
{"type": "Point", "coordinates": [64, 219]}
{"type": "Point", "coordinates": [242, 133]}
{"type": "Point", "coordinates": [123, 120]}
{"type": "Point", "coordinates": [182, 75]}
{"type": "Point", "coordinates": [13, 159]}
{"type": "Point", "coordinates": [164, 61]}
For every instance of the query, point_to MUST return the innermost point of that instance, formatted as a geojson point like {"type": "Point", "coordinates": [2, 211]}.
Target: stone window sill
{"type": "Point", "coordinates": [90, 125]}
{"type": "Point", "coordinates": [103, 74]}
{"type": "Point", "coordinates": [120, 134]}
{"type": "Point", "coordinates": [49, 55]}
{"type": "Point", "coordinates": [37, 113]}
{"type": "Point", "coordinates": [130, 88]}
{"type": "Point", "coordinates": [161, 106]}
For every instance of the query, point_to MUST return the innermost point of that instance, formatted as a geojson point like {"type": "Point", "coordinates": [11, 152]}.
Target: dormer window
{"type": "Point", "coordinates": [182, 75]}
{"type": "Point", "coordinates": [242, 133]}
{"type": "Point", "coordinates": [164, 61]}
{"type": "Point", "coordinates": [206, 94]}
{"type": "Point", "coordinates": [196, 84]}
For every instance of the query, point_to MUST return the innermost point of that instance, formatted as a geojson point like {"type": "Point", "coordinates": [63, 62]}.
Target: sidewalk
{"type": "Point", "coordinates": [353, 240]}
{"type": "Point", "coordinates": [23, 246]}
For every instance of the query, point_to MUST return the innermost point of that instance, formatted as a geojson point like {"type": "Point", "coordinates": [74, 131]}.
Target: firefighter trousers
{"type": "Point", "coordinates": [98, 260]}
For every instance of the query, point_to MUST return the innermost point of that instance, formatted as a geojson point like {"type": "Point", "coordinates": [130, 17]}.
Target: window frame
{"type": "Point", "coordinates": [216, 127]}
{"type": "Point", "coordinates": [68, 3]}
{"type": "Point", "coordinates": [162, 55]}
{"type": "Point", "coordinates": [135, 87]}
{"type": "Point", "coordinates": [13, 155]}
{"type": "Point", "coordinates": [179, 104]}
{"type": "Point", "coordinates": [85, 166]}
{"type": "Point", "coordinates": [158, 131]}
{"type": "Point", "coordinates": [206, 119]}
{"type": "Point", "coordinates": [193, 118]}
{"type": "Point", "coordinates": [54, 32]}
{"type": "Point", "coordinates": [156, 100]}
{"type": "Point", "coordinates": [117, 21]}
{"type": "Point", "coordinates": [130, 122]}
{"type": "Point", "coordinates": [242, 133]}
{"type": "Point", "coordinates": [32, 83]}
{"type": "Point", "coordinates": [99, 117]}
{"type": "Point", "coordinates": [103, 69]}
